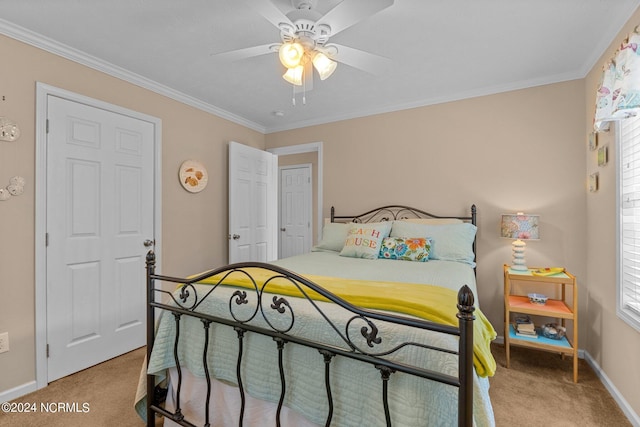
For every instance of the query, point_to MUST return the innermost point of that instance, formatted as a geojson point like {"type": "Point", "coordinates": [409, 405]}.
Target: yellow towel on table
{"type": "Point", "coordinates": [429, 302]}
{"type": "Point", "coordinates": [549, 271]}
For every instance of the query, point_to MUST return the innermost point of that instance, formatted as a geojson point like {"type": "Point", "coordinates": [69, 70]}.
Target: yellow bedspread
{"type": "Point", "coordinates": [429, 302]}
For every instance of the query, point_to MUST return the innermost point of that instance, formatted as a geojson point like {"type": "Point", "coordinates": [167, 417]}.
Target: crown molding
{"type": "Point", "coordinates": [492, 90]}
{"type": "Point", "coordinates": [49, 45]}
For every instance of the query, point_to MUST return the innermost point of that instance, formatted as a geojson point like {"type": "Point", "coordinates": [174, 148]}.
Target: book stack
{"type": "Point", "coordinates": [524, 327]}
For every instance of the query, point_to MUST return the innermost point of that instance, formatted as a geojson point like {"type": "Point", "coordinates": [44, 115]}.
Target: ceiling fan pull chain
{"type": "Point", "coordinates": [304, 88]}
{"type": "Point", "coordinates": [293, 95]}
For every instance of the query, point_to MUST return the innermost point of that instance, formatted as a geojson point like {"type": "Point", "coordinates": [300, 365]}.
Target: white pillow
{"type": "Point", "coordinates": [449, 242]}
{"type": "Point", "coordinates": [364, 240]}
{"type": "Point", "coordinates": [434, 221]}
{"type": "Point", "coordinates": [333, 236]}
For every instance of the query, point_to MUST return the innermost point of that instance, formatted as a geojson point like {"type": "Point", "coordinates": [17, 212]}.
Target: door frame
{"type": "Point", "coordinates": [309, 167]}
{"type": "Point", "coordinates": [308, 148]}
{"type": "Point", "coordinates": [42, 92]}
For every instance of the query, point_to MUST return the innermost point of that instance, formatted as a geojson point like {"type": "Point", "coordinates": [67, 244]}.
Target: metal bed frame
{"type": "Point", "coordinates": [353, 346]}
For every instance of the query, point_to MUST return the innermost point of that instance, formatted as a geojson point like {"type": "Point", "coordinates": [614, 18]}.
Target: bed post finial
{"type": "Point", "coordinates": [465, 303]}
{"type": "Point", "coordinates": [465, 356]}
{"type": "Point", "coordinates": [151, 258]}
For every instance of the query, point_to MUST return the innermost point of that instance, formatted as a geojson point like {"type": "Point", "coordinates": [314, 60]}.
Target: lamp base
{"type": "Point", "coordinates": [518, 263]}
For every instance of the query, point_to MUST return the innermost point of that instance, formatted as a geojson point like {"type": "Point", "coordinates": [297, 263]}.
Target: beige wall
{"type": "Point", "coordinates": [516, 151]}
{"type": "Point", "coordinates": [194, 233]}
{"type": "Point", "coordinates": [612, 343]}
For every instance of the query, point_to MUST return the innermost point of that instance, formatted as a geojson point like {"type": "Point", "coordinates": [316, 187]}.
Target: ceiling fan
{"type": "Point", "coordinates": [305, 34]}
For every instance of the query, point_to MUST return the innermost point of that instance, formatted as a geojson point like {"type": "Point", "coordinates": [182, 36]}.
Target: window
{"type": "Point", "coordinates": [628, 305]}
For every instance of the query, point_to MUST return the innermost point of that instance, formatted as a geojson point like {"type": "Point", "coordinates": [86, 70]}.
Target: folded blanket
{"type": "Point", "coordinates": [429, 302]}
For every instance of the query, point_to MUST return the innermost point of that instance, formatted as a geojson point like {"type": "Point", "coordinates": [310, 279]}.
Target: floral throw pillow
{"type": "Point", "coordinates": [405, 248]}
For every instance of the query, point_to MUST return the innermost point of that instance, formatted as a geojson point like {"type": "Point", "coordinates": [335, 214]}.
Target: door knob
{"type": "Point", "coordinates": [148, 243]}
{"type": "Point", "coordinates": [236, 236]}
{"type": "Point", "coordinates": [283, 229]}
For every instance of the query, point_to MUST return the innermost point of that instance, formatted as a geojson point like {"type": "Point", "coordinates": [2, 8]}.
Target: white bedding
{"type": "Point", "coordinates": [356, 387]}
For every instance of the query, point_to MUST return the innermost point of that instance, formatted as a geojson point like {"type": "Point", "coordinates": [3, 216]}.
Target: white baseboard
{"type": "Point", "coordinates": [631, 415]}
{"type": "Point", "coordinates": [19, 391]}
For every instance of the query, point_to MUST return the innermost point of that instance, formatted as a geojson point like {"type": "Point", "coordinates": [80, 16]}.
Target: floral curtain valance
{"type": "Point", "coordinates": [619, 90]}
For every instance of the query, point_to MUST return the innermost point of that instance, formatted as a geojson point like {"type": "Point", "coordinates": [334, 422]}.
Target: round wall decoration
{"type": "Point", "coordinates": [193, 176]}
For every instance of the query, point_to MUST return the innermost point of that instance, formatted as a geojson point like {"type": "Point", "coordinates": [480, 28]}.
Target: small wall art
{"type": "Point", "coordinates": [9, 130]}
{"type": "Point", "coordinates": [593, 141]}
{"type": "Point", "coordinates": [193, 176]}
{"type": "Point", "coordinates": [603, 155]}
{"type": "Point", "coordinates": [593, 182]}
{"type": "Point", "coordinates": [15, 188]}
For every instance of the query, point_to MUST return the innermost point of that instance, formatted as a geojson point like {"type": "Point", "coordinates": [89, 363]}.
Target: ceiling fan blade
{"type": "Point", "coordinates": [349, 12]}
{"type": "Point", "coordinates": [235, 55]}
{"type": "Point", "coordinates": [365, 61]}
{"type": "Point", "coordinates": [269, 11]}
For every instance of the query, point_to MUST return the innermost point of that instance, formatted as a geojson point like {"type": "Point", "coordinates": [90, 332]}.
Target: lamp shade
{"type": "Point", "coordinates": [520, 226]}
{"type": "Point", "coordinates": [294, 75]}
{"type": "Point", "coordinates": [324, 65]}
{"type": "Point", "coordinates": [291, 54]}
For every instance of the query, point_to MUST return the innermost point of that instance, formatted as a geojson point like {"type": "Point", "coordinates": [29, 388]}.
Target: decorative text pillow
{"type": "Point", "coordinates": [405, 248]}
{"type": "Point", "coordinates": [363, 240]}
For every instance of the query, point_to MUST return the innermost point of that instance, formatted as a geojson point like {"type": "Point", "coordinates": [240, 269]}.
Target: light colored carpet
{"type": "Point", "coordinates": [537, 390]}
{"type": "Point", "coordinates": [108, 388]}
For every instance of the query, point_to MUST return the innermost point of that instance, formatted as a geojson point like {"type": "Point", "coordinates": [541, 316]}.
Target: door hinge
{"type": "Point", "coordinates": [47, 126]}
{"type": "Point", "coordinates": [47, 350]}
{"type": "Point", "coordinates": [46, 239]}
{"type": "Point", "coordinates": [309, 180]}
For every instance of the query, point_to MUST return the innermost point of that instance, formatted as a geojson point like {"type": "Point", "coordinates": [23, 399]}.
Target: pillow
{"type": "Point", "coordinates": [333, 236]}
{"type": "Point", "coordinates": [363, 240]}
{"type": "Point", "coordinates": [434, 221]}
{"type": "Point", "coordinates": [449, 242]}
{"type": "Point", "coordinates": [405, 248]}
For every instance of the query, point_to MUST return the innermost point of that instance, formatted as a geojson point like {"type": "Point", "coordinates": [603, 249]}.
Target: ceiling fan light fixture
{"type": "Point", "coordinates": [323, 65]}
{"type": "Point", "coordinates": [291, 54]}
{"type": "Point", "coordinates": [294, 75]}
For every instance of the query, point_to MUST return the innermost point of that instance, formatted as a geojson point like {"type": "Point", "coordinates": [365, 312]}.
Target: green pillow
{"type": "Point", "coordinates": [333, 236]}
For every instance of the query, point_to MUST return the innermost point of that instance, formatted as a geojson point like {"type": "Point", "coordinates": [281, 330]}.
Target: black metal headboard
{"type": "Point", "coordinates": [397, 212]}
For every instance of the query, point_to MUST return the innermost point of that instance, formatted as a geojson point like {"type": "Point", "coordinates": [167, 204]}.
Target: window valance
{"type": "Point", "coordinates": [618, 94]}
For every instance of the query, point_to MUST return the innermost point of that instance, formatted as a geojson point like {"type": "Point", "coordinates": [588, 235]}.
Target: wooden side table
{"type": "Point", "coordinates": [554, 308]}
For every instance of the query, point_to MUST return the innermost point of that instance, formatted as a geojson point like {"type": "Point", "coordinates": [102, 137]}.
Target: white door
{"type": "Point", "coordinates": [100, 183]}
{"type": "Point", "coordinates": [295, 210]}
{"type": "Point", "coordinates": [253, 204]}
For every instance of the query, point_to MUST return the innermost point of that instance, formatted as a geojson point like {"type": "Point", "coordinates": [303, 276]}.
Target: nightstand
{"type": "Point", "coordinates": [560, 309]}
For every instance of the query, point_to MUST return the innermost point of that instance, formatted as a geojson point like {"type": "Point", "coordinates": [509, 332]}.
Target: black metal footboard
{"type": "Point", "coordinates": [353, 348]}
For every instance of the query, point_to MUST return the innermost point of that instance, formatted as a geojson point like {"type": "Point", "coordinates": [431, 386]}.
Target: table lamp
{"type": "Point", "coordinates": [520, 227]}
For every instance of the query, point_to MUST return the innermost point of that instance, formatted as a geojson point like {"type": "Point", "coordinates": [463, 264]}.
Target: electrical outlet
{"type": "Point", "coordinates": [4, 342]}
